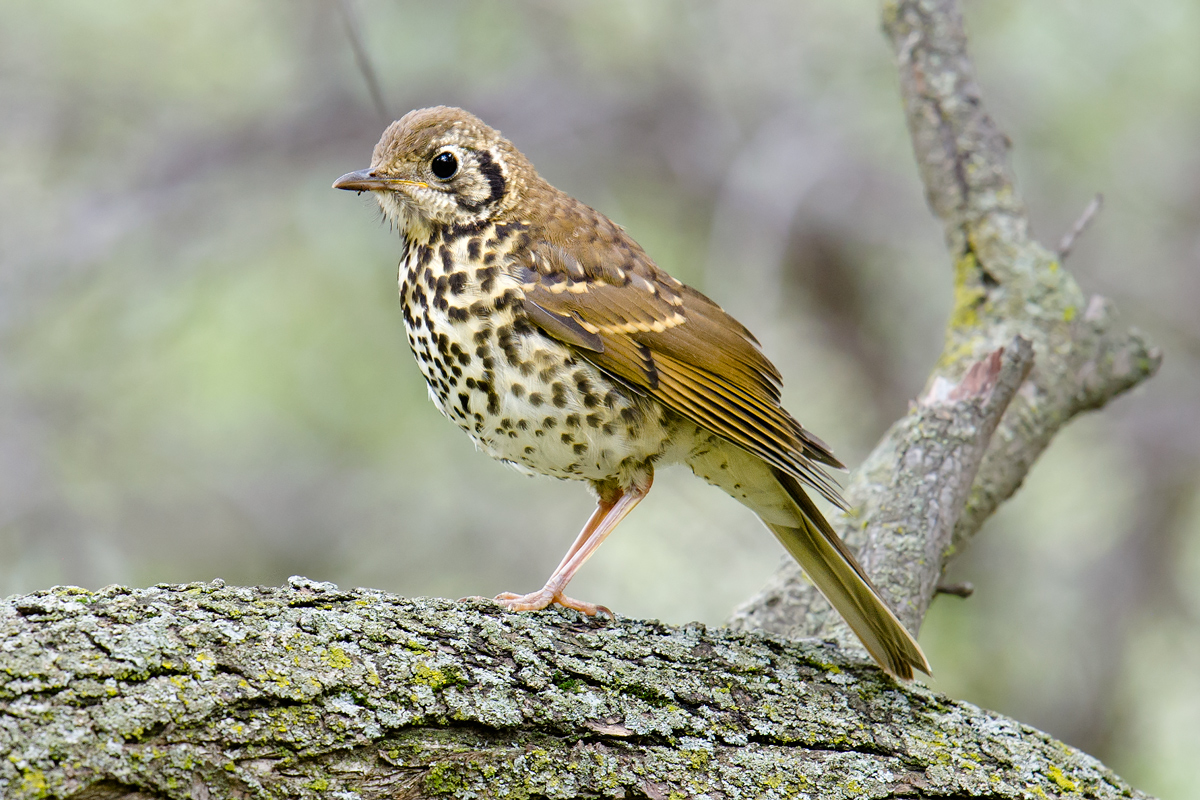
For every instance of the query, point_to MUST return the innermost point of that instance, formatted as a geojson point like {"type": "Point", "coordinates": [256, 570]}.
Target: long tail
{"type": "Point", "coordinates": [781, 502]}
{"type": "Point", "coordinates": [835, 571]}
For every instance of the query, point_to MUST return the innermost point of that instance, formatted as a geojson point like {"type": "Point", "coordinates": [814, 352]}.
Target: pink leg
{"type": "Point", "coordinates": [610, 510]}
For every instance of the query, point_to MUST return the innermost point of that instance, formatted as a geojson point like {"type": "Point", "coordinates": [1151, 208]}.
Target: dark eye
{"type": "Point", "coordinates": [444, 165]}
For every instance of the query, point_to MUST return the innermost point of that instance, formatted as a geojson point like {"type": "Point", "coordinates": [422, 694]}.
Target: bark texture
{"type": "Point", "coordinates": [940, 471]}
{"type": "Point", "coordinates": [207, 691]}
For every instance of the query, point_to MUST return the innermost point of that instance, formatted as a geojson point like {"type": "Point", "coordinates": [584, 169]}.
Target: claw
{"type": "Point", "coordinates": [536, 601]}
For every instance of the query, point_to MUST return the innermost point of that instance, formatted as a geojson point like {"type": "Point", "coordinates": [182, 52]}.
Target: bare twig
{"type": "Point", "coordinates": [1081, 225]}
{"type": "Point", "coordinates": [362, 58]}
{"type": "Point", "coordinates": [964, 589]}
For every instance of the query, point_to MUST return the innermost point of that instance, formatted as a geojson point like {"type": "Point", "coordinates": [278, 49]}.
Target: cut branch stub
{"type": "Point", "coordinates": [907, 496]}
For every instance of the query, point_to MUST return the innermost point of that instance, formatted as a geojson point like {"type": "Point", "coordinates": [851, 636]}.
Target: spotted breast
{"type": "Point", "coordinates": [523, 397]}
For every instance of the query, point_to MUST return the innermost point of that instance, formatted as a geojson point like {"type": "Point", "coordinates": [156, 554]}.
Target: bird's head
{"type": "Point", "coordinates": [442, 166]}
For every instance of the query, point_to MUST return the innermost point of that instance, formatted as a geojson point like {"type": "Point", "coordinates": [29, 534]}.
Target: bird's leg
{"type": "Point", "coordinates": [612, 507]}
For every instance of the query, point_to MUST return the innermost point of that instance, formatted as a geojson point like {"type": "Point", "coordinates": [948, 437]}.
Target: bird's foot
{"type": "Point", "coordinates": [536, 601]}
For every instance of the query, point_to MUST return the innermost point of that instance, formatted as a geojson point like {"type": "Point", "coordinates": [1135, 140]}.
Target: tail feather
{"type": "Point", "coordinates": [837, 574]}
{"type": "Point", "coordinates": [780, 501]}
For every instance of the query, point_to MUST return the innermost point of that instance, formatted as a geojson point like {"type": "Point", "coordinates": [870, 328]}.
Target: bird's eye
{"type": "Point", "coordinates": [444, 165]}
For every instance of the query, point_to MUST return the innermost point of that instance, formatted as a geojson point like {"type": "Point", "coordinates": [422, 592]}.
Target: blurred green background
{"type": "Point", "coordinates": [203, 372]}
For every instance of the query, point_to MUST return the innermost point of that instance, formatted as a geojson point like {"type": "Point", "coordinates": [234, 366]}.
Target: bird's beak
{"type": "Point", "coordinates": [364, 180]}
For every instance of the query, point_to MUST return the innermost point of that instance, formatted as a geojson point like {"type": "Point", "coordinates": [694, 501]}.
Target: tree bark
{"type": "Point", "coordinates": [206, 691]}
{"type": "Point", "coordinates": [203, 690]}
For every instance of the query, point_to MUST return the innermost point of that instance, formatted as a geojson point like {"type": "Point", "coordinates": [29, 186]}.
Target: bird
{"type": "Point", "coordinates": [549, 336]}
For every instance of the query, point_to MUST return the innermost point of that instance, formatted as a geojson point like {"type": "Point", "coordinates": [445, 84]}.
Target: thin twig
{"type": "Point", "coordinates": [1085, 219]}
{"type": "Point", "coordinates": [964, 589]}
{"type": "Point", "coordinates": [362, 59]}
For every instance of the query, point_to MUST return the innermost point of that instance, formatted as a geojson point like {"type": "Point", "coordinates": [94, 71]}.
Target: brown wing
{"type": "Point", "coordinates": [587, 284]}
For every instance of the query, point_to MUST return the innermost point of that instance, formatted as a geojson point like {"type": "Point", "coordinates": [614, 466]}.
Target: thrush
{"type": "Point", "coordinates": [550, 337]}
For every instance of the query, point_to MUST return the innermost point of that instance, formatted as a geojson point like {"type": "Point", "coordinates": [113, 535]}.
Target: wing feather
{"type": "Point", "coordinates": [603, 295]}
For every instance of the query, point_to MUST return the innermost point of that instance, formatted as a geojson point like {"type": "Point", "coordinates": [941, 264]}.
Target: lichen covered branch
{"type": "Point", "coordinates": [310, 692]}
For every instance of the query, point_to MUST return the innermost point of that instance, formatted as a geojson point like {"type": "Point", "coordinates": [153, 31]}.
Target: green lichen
{"type": "Point", "coordinates": [443, 778]}
{"type": "Point", "coordinates": [968, 294]}
{"type": "Point", "coordinates": [336, 657]}
{"type": "Point", "coordinates": [1058, 777]}
{"type": "Point", "coordinates": [434, 678]}
{"type": "Point", "coordinates": [34, 785]}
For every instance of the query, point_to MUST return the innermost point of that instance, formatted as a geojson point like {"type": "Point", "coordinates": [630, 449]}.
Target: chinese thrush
{"type": "Point", "coordinates": [551, 338]}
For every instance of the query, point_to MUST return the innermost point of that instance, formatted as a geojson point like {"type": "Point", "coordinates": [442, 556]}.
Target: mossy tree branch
{"type": "Point", "coordinates": [207, 691]}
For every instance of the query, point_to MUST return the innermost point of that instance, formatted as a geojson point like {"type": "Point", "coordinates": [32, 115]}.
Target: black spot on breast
{"type": "Point", "coordinates": [483, 334]}
{"type": "Point", "coordinates": [457, 282]}
{"type": "Point", "coordinates": [461, 229]}
{"type": "Point", "coordinates": [487, 279]}
{"type": "Point", "coordinates": [567, 437]}
{"type": "Point", "coordinates": [511, 297]}
{"type": "Point", "coordinates": [549, 423]}
{"type": "Point", "coordinates": [473, 248]}
{"type": "Point", "coordinates": [572, 420]}
{"type": "Point", "coordinates": [503, 231]}
{"type": "Point", "coordinates": [447, 259]}
{"type": "Point", "coordinates": [558, 395]}
{"type": "Point", "coordinates": [593, 420]}
{"type": "Point", "coordinates": [517, 390]}
{"type": "Point", "coordinates": [536, 399]}
{"type": "Point", "coordinates": [457, 314]}
{"type": "Point", "coordinates": [464, 401]}
{"type": "Point", "coordinates": [580, 449]}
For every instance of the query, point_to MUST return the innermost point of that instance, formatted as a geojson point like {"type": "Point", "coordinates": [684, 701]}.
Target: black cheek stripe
{"type": "Point", "coordinates": [495, 176]}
